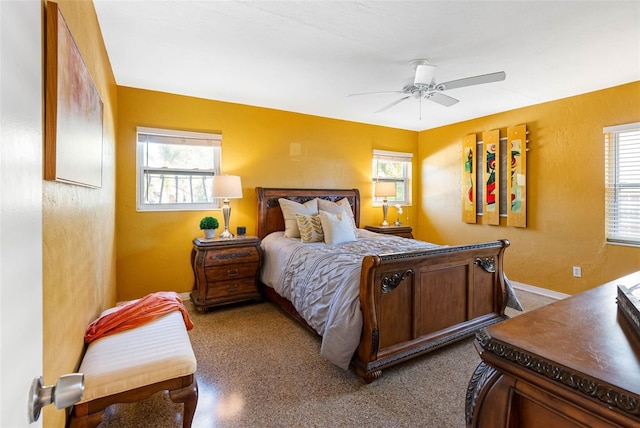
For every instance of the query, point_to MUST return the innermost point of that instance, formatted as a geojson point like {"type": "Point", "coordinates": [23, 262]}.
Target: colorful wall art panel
{"type": "Point", "coordinates": [517, 179]}
{"type": "Point", "coordinates": [491, 177]}
{"type": "Point", "coordinates": [469, 178]}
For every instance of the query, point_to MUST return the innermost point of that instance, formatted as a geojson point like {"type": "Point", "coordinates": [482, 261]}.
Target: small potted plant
{"type": "Point", "coordinates": [209, 225]}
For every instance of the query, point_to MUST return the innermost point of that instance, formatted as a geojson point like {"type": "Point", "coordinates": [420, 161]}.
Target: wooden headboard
{"type": "Point", "coordinates": [270, 215]}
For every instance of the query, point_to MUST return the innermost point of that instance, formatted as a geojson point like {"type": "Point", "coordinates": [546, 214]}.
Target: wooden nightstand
{"type": "Point", "coordinates": [403, 231]}
{"type": "Point", "coordinates": [225, 270]}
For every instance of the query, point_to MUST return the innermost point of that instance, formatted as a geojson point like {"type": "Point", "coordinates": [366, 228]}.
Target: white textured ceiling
{"type": "Point", "coordinates": [308, 56]}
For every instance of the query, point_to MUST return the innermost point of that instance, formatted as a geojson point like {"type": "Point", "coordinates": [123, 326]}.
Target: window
{"type": "Point", "coordinates": [622, 184]}
{"type": "Point", "coordinates": [393, 167]}
{"type": "Point", "coordinates": [175, 169]}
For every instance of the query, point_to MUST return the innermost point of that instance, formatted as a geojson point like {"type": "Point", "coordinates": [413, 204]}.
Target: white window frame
{"type": "Point", "coordinates": [405, 181]}
{"type": "Point", "coordinates": [175, 137]}
{"type": "Point", "coordinates": [622, 184]}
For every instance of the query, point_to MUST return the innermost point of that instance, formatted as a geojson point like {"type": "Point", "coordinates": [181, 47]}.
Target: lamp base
{"type": "Point", "coordinates": [226, 234]}
{"type": "Point", "coordinates": [226, 213]}
{"type": "Point", "coordinates": [385, 208]}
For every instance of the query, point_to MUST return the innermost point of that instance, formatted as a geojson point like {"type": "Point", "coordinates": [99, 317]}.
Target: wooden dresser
{"type": "Point", "coordinates": [574, 363]}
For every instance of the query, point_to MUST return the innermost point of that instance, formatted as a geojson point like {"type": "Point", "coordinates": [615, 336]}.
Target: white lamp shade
{"type": "Point", "coordinates": [385, 188]}
{"type": "Point", "coordinates": [227, 186]}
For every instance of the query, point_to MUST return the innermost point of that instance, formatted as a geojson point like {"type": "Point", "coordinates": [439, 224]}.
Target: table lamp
{"type": "Point", "coordinates": [383, 190]}
{"type": "Point", "coordinates": [226, 186]}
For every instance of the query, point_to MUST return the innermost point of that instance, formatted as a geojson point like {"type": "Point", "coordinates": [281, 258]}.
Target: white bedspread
{"type": "Point", "coordinates": [322, 282]}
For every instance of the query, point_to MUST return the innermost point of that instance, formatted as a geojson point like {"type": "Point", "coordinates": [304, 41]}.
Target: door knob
{"type": "Point", "coordinates": [65, 393]}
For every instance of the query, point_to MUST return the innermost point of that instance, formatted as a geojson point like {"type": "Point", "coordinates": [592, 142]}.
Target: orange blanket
{"type": "Point", "coordinates": [137, 312]}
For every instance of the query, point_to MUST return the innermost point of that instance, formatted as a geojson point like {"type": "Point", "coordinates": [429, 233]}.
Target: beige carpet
{"type": "Point", "coordinates": [259, 368]}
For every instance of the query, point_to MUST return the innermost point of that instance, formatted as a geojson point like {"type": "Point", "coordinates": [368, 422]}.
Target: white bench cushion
{"type": "Point", "coordinates": [154, 352]}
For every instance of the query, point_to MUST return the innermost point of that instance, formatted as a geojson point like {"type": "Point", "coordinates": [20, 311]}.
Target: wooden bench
{"type": "Point", "coordinates": [132, 365]}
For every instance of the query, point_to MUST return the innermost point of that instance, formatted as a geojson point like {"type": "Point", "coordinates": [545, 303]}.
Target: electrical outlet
{"type": "Point", "coordinates": [577, 271]}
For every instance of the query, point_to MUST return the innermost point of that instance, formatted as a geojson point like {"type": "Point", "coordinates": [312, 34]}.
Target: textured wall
{"type": "Point", "coordinates": [565, 225]}
{"type": "Point", "coordinates": [154, 248]}
{"type": "Point", "coordinates": [79, 227]}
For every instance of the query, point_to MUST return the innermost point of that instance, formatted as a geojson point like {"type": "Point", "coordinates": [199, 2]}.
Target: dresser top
{"type": "Point", "coordinates": [222, 242]}
{"type": "Point", "coordinates": [585, 334]}
{"type": "Point", "coordinates": [390, 228]}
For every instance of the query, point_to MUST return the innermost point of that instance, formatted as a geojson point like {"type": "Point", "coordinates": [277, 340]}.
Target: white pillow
{"type": "Point", "coordinates": [337, 228]}
{"type": "Point", "coordinates": [289, 211]}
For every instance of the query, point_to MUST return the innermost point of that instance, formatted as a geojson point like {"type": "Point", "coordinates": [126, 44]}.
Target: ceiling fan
{"type": "Point", "coordinates": [424, 86]}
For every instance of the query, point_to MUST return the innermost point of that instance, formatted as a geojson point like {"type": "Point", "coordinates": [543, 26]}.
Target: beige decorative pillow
{"type": "Point", "coordinates": [337, 207]}
{"type": "Point", "coordinates": [337, 228]}
{"type": "Point", "coordinates": [289, 211]}
{"type": "Point", "coordinates": [310, 228]}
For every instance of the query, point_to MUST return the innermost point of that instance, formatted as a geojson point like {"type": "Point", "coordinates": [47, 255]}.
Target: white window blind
{"type": "Point", "coordinates": [393, 167]}
{"type": "Point", "coordinates": [622, 184]}
{"type": "Point", "coordinates": [175, 169]}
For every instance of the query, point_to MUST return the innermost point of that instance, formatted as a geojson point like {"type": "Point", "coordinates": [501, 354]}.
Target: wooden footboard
{"type": "Point", "coordinates": [413, 303]}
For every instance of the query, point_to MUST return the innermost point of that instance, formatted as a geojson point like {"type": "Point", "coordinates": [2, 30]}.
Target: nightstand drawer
{"type": "Point", "coordinates": [404, 234]}
{"type": "Point", "coordinates": [232, 289]}
{"type": "Point", "coordinates": [231, 256]}
{"type": "Point", "coordinates": [229, 272]}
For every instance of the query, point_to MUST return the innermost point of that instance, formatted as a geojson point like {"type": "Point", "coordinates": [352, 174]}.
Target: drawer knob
{"type": "Point", "coordinates": [232, 272]}
{"type": "Point", "coordinates": [232, 287]}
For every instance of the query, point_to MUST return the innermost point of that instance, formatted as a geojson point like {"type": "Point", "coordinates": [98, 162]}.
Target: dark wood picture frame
{"type": "Point", "coordinates": [73, 110]}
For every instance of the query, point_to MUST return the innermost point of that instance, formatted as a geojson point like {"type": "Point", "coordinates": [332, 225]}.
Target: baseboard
{"type": "Point", "coordinates": [538, 290]}
{"type": "Point", "coordinates": [185, 296]}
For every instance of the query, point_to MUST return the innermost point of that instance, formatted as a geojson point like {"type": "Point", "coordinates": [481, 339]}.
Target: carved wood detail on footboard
{"type": "Point", "coordinates": [415, 302]}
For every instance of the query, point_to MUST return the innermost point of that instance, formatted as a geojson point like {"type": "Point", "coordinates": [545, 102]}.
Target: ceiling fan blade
{"type": "Point", "coordinates": [375, 93]}
{"type": "Point", "coordinates": [469, 81]}
{"type": "Point", "coordinates": [388, 106]}
{"type": "Point", "coordinates": [442, 99]}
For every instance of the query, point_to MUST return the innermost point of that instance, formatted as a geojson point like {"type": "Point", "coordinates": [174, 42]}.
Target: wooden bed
{"type": "Point", "coordinates": [412, 303]}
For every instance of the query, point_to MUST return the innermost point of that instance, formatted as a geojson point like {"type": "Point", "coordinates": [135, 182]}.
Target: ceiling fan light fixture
{"type": "Point", "coordinates": [424, 74]}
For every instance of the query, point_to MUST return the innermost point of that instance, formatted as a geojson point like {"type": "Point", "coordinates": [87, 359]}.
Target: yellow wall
{"type": "Point", "coordinates": [153, 248]}
{"type": "Point", "coordinates": [565, 200]}
{"type": "Point", "coordinates": [79, 227]}
{"type": "Point", "coordinates": [565, 182]}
